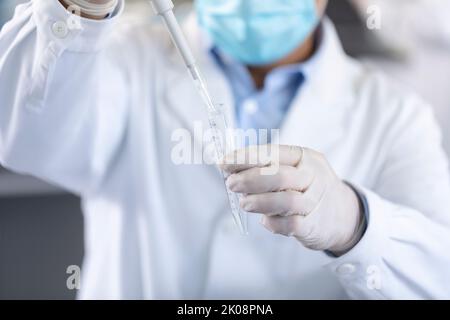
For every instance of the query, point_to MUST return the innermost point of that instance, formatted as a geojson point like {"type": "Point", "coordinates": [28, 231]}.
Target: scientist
{"type": "Point", "coordinates": [359, 205]}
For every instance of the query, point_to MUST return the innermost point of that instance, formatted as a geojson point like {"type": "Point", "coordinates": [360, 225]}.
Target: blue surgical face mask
{"type": "Point", "coordinates": [257, 32]}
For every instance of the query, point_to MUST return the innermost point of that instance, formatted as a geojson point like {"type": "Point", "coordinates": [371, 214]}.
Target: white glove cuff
{"type": "Point", "coordinates": [93, 9]}
{"type": "Point", "coordinates": [362, 226]}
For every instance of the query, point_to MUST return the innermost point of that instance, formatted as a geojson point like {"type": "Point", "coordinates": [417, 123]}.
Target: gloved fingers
{"type": "Point", "coordinates": [261, 156]}
{"type": "Point", "coordinates": [291, 155]}
{"type": "Point", "coordinates": [94, 8]}
{"type": "Point", "coordinates": [284, 203]}
{"type": "Point", "coordinates": [236, 168]}
{"type": "Point", "coordinates": [295, 226]}
{"type": "Point", "coordinates": [287, 226]}
{"type": "Point", "coordinates": [254, 180]}
{"type": "Point", "coordinates": [316, 190]}
{"type": "Point", "coordinates": [245, 158]}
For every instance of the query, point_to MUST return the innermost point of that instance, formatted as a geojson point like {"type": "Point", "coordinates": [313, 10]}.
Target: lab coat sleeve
{"type": "Point", "coordinates": [57, 121]}
{"type": "Point", "coordinates": [404, 251]}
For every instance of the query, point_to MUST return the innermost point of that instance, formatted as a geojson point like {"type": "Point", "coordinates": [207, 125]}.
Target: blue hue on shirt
{"type": "Point", "coordinates": [264, 108]}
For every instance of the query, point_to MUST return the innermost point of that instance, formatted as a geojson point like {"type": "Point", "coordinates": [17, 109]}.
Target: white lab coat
{"type": "Point", "coordinates": [94, 111]}
{"type": "Point", "coordinates": [419, 31]}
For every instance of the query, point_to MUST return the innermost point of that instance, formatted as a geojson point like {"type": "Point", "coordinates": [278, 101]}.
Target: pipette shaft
{"type": "Point", "coordinates": [164, 8]}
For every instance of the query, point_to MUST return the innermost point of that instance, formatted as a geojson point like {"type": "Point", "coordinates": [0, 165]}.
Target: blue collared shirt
{"type": "Point", "coordinates": [267, 108]}
{"type": "Point", "coordinates": [263, 108]}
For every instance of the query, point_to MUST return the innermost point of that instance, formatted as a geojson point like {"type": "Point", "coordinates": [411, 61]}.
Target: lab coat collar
{"type": "Point", "coordinates": [89, 36]}
{"type": "Point", "coordinates": [326, 69]}
{"type": "Point", "coordinates": [305, 67]}
{"type": "Point", "coordinates": [328, 73]}
{"type": "Point", "coordinates": [320, 106]}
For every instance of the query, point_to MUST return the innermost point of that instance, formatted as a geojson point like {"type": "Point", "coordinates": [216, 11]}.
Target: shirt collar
{"type": "Point", "coordinates": [327, 71]}
{"type": "Point", "coordinates": [278, 76]}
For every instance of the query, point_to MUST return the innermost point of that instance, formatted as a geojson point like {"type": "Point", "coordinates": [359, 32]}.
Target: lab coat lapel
{"type": "Point", "coordinates": [318, 113]}
{"type": "Point", "coordinates": [181, 95]}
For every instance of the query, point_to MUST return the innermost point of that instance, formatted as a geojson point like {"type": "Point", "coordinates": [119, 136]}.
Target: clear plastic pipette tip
{"type": "Point", "coordinates": [174, 30]}
{"type": "Point", "coordinates": [240, 223]}
{"type": "Point", "coordinates": [239, 217]}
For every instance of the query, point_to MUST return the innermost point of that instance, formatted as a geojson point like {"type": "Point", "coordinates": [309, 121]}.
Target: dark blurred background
{"type": "Point", "coordinates": [41, 226]}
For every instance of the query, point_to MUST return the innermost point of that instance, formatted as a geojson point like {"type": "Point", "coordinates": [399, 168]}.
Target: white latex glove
{"type": "Point", "coordinates": [93, 8]}
{"type": "Point", "coordinates": [299, 195]}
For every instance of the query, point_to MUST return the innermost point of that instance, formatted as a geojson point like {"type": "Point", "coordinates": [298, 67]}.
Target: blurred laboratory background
{"type": "Point", "coordinates": [41, 226]}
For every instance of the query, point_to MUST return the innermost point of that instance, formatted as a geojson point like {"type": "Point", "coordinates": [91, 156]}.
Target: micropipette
{"type": "Point", "coordinates": [216, 118]}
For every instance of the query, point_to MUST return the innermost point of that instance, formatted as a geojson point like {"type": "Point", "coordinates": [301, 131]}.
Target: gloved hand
{"type": "Point", "coordinates": [96, 9]}
{"type": "Point", "coordinates": [299, 195]}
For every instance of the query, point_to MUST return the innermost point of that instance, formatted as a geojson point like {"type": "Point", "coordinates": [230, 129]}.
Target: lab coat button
{"type": "Point", "coordinates": [346, 269]}
{"type": "Point", "coordinates": [60, 29]}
